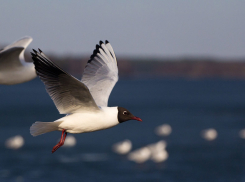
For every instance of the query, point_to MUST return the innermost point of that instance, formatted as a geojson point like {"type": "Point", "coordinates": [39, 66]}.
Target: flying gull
{"type": "Point", "coordinates": [85, 102]}
{"type": "Point", "coordinates": [13, 68]}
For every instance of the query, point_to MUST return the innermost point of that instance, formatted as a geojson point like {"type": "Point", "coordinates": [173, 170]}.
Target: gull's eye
{"type": "Point", "coordinates": [125, 112]}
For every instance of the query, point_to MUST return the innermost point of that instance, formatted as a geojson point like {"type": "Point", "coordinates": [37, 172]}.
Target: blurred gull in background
{"type": "Point", "coordinates": [242, 133]}
{"type": "Point", "coordinates": [163, 130]}
{"type": "Point", "coordinates": [159, 156]}
{"type": "Point", "coordinates": [122, 147]}
{"type": "Point", "coordinates": [140, 155]}
{"type": "Point", "coordinates": [209, 134]}
{"type": "Point", "coordinates": [13, 68]}
{"type": "Point", "coordinates": [160, 145]}
{"type": "Point", "coordinates": [158, 151]}
{"type": "Point", "coordinates": [15, 142]}
{"type": "Point", "coordinates": [70, 141]}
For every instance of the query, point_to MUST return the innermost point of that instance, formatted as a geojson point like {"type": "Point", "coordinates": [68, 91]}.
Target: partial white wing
{"type": "Point", "coordinates": [69, 94]}
{"type": "Point", "coordinates": [12, 56]}
{"type": "Point", "coordinates": [101, 73]}
{"type": "Point", "coordinates": [9, 59]}
{"type": "Point", "coordinates": [22, 42]}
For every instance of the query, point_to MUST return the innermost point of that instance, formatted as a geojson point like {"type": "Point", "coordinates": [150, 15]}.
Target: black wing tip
{"type": "Point", "coordinates": [96, 50]}
{"type": "Point", "coordinates": [93, 55]}
{"type": "Point", "coordinates": [33, 55]}
{"type": "Point", "coordinates": [97, 47]}
{"type": "Point", "coordinates": [36, 56]}
{"type": "Point", "coordinates": [101, 42]}
{"type": "Point", "coordinates": [34, 51]}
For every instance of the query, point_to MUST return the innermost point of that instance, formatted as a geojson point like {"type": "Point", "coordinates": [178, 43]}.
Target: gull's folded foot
{"type": "Point", "coordinates": [61, 142]}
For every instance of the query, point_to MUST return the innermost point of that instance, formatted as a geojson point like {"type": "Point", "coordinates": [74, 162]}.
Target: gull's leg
{"type": "Point", "coordinates": [61, 142]}
{"type": "Point", "coordinates": [64, 138]}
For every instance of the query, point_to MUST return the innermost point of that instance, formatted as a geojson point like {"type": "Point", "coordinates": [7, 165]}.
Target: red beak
{"type": "Point", "coordinates": [136, 118]}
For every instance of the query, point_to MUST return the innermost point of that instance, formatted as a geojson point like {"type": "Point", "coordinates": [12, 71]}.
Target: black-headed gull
{"type": "Point", "coordinates": [85, 101]}
{"type": "Point", "coordinates": [13, 68]}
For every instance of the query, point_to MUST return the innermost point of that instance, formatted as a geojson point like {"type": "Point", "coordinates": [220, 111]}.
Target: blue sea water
{"type": "Point", "coordinates": [189, 106]}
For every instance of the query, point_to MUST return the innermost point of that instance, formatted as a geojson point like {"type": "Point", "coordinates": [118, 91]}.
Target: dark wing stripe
{"type": "Point", "coordinates": [68, 93]}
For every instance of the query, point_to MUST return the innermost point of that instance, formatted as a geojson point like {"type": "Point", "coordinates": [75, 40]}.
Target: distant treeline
{"type": "Point", "coordinates": [172, 68]}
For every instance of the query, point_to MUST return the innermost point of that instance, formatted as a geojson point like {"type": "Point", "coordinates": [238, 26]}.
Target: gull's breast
{"type": "Point", "coordinates": [87, 122]}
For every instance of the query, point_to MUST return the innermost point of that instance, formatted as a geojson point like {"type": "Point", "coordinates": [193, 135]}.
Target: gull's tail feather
{"type": "Point", "coordinates": [39, 128]}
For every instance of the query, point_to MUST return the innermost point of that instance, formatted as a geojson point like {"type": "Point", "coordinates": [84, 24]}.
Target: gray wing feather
{"type": "Point", "coordinates": [22, 42]}
{"type": "Point", "coordinates": [101, 73]}
{"type": "Point", "coordinates": [9, 58]}
{"type": "Point", "coordinates": [69, 94]}
{"type": "Point", "coordinates": [13, 58]}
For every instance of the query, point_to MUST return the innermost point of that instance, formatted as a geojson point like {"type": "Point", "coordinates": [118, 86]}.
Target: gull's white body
{"type": "Point", "coordinates": [13, 68]}
{"type": "Point", "coordinates": [89, 121]}
{"type": "Point", "coordinates": [80, 122]}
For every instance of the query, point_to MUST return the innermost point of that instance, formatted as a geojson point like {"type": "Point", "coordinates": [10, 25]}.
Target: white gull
{"type": "Point", "coordinates": [209, 134]}
{"type": "Point", "coordinates": [122, 147]}
{"type": "Point", "coordinates": [15, 142]}
{"type": "Point", "coordinates": [84, 102]}
{"type": "Point", "coordinates": [13, 68]}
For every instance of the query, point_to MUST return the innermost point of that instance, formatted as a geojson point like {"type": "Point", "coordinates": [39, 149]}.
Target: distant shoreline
{"type": "Point", "coordinates": [193, 68]}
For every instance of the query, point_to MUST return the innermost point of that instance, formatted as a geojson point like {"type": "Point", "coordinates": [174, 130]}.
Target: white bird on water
{"type": "Point", "coordinates": [13, 68]}
{"type": "Point", "coordinates": [155, 151]}
{"type": "Point", "coordinates": [70, 141]}
{"type": "Point", "coordinates": [163, 130]}
{"type": "Point", "coordinates": [140, 155]}
{"type": "Point", "coordinates": [209, 134]}
{"type": "Point", "coordinates": [242, 133]}
{"type": "Point", "coordinates": [158, 151]}
{"type": "Point", "coordinates": [85, 101]}
{"type": "Point", "coordinates": [15, 142]}
{"type": "Point", "coordinates": [122, 147]}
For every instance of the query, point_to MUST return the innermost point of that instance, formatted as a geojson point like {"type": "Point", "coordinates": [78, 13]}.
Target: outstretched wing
{"type": "Point", "coordinates": [101, 73]}
{"type": "Point", "coordinates": [9, 58]}
{"type": "Point", "coordinates": [12, 56]}
{"type": "Point", "coordinates": [22, 42]}
{"type": "Point", "coordinates": [69, 94]}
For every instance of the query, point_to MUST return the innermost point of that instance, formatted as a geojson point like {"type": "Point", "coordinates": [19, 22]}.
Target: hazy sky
{"type": "Point", "coordinates": [160, 28]}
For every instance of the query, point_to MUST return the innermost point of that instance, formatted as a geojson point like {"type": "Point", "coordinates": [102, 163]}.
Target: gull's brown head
{"type": "Point", "coordinates": [125, 115]}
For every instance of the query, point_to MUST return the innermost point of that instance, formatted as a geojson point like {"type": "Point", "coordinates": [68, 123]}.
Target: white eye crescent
{"type": "Point", "coordinates": [125, 112]}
